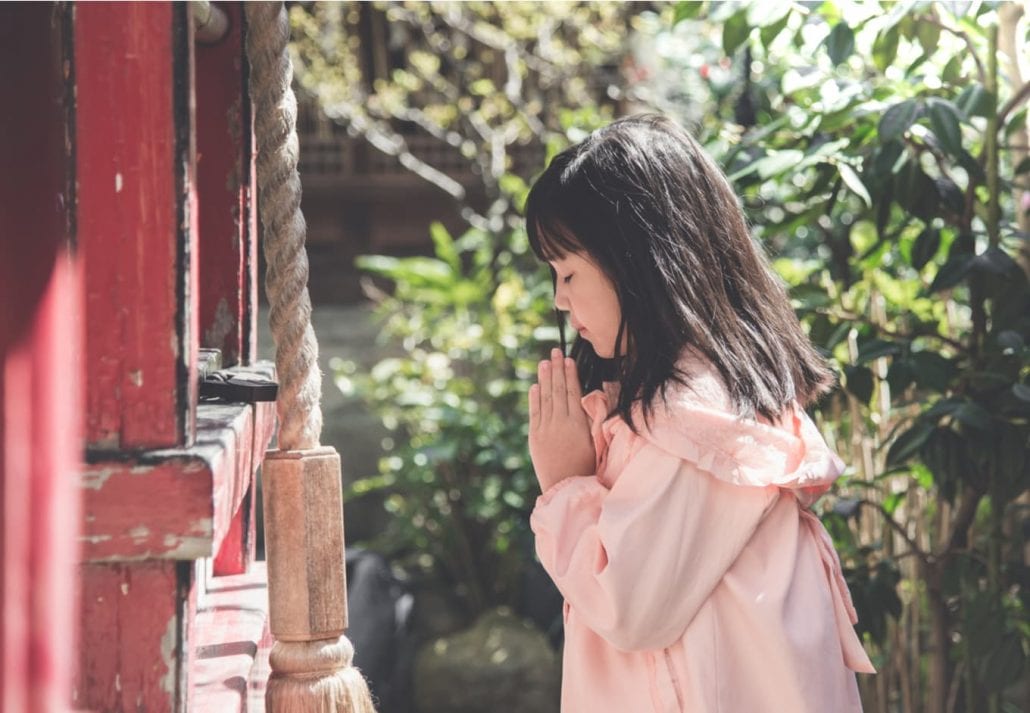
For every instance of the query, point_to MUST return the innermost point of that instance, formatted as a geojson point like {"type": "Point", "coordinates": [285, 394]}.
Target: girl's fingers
{"type": "Point", "coordinates": [534, 406]}
{"type": "Point", "coordinates": [559, 399]}
{"type": "Point", "coordinates": [544, 377]}
{"type": "Point", "coordinates": [574, 394]}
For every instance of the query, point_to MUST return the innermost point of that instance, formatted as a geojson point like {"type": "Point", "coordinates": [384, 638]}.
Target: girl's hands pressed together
{"type": "Point", "coordinates": [560, 444]}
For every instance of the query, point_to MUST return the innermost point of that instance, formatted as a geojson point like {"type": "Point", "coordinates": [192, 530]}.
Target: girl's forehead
{"type": "Point", "coordinates": [568, 258]}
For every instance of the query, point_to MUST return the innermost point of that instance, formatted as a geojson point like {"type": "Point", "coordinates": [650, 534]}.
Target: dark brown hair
{"type": "Point", "coordinates": [644, 201]}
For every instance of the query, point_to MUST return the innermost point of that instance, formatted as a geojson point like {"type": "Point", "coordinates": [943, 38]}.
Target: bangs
{"type": "Point", "coordinates": [550, 239]}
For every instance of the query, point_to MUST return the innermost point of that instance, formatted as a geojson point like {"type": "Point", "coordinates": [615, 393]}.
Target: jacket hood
{"type": "Point", "coordinates": [697, 424]}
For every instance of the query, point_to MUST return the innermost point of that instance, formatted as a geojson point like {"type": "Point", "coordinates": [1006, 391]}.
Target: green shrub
{"type": "Point", "coordinates": [473, 320]}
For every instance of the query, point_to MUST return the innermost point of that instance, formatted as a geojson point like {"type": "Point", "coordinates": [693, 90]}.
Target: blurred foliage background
{"type": "Point", "coordinates": [880, 153]}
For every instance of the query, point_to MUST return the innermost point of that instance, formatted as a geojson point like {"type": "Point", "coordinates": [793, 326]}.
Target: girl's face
{"type": "Point", "coordinates": [585, 292]}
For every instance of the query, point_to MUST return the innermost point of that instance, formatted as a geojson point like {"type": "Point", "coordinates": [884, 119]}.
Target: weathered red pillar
{"type": "Point", "coordinates": [40, 364]}
{"type": "Point", "coordinates": [137, 218]}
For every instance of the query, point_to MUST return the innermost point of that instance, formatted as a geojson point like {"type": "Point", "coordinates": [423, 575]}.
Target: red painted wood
{"type": "Point", "coordinates": [232, 555]}
{"type": "Point", "coordinates": [238, 548]}
{"type": "Point", "coordinates": [136, 624]}
{"type": "Point", "coordinates": [224, 183]}
{"type": "Point", "coordinates": [176, 503]}
{"type": "Point", "coordinates": [133, 153]}
{"type": "Point", "coordinates": [232, 643]}
{"type": "Point", "coordinates": [40, 382]}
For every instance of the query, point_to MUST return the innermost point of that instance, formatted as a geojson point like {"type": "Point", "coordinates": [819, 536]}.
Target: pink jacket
{"type": "Point", "coordinates": [695, 578]}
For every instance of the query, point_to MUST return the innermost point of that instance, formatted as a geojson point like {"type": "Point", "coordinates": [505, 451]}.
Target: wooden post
{"type": "Point", "coordinates": [304, 507]}
{"type": "Point", "coordinates": [137, 221]}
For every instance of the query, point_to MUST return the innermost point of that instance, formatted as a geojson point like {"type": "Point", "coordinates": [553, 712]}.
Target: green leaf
{"type": "Point", "coordinates": [853, 182]}
{"type": "Point", "coordinates": [444, 245]}
{"type": "Point", "coordinates": [420, 271]}
{"type": "Point", "coordinates": [1016, 121]}
{"type": "Point", "coordinates": [995, 261]}
{"type": "Point", "coordinates": [840, 43]}
{"type": "Point", "coordinates": [874, 349]}
{"type": "Point", "coordinates": [932, 371]}
{"type": "Point", "coordinates": [974, 100]}
{"type": "Point", "coordinates": [734, 32]}
{"type": "Point", "coordinates": [944, 118]}
{"type": "Point", "coordinates": [928, 35]}
{"type": "Point", "coordinates": [951, 196]}
{"type": "Point", "coordinates": [925, 247]}
{"type": "Point", "coordinates": [686, 10]}
{"type": "Point", "coordinates": [951, 273]}
{"type": "Point", "coordinates": [974, 416]}
{"type": "Point", "coordinates": [885, 48]}
{"type": "Point", "coordinates": [916, 192]}
{"type": "Point", "coordinates": [899, 375]}
{"type": "Point", "coordinates": [769, 33]}
{"type": "Point", "coordinates": [908, 443]}
{"type": "Point", "coordinates": [896, 120]}
{"type": "Point", "coordinates": [777, 163]}
{"type": "Point", "coordinates": [952, 72]}
{"type": "Point", "coordinates": [859, 381]}
{"type": "Point", "coordinates": [891, 502]}
{"type": "Point", "coordinates": [888, 159]}
{"type": "Point", "coordinates": [963, 244]}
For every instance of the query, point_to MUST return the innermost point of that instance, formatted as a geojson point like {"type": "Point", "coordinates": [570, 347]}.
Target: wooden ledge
{"type": "Point", "coordinates": [196, 490]}
{"type": "Point", "coordinates": [230, 655]}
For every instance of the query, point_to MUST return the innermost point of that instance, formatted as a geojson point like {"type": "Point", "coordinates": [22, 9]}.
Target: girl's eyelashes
{"type": "Point", "coordinates": [567, 279]}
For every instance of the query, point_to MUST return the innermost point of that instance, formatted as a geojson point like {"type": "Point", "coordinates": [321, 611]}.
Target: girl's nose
{"type": "Point", "coordinates": [561, 302]}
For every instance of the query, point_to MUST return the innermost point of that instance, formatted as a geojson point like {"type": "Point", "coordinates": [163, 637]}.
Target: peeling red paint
{"type": "Point", "coordinates": [134, 610]}
{"type": "Point", "coordinates": [182, 503]}
{"type": "Point", "coordinates": [128, 235]}
{"type": "Point", "coordinates": [227, 263]}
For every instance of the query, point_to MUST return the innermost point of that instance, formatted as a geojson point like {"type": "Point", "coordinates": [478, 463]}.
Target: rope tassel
{"type": "Point", "coordinates": [311, 659]}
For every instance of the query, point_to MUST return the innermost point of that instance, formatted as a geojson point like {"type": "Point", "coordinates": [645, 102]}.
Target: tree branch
{"type": "Point", "coordinates": [1013, 103]}
{"type": "Point", "coordinates": [981, 70]}
{"type": "Point", "coordinates": [963, 520]}
{"type": "Point", "coordinates": [914, 548]}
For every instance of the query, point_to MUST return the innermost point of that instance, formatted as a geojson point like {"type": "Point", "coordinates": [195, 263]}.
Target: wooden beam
{"type": "Point", "coordinates": [175, 503]}
{"type": "Point", "coordinates": [136, 219]}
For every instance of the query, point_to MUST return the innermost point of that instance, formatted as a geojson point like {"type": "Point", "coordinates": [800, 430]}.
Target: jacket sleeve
{"type": "Point", "coordinates": [638, 561]}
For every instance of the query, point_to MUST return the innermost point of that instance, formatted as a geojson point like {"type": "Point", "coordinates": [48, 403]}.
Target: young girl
{"type": "Point", "coordinates": [674, 515]}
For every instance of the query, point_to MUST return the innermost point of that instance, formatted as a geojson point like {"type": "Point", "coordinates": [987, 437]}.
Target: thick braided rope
{"type": "Point", "coordinates": [286, 276]}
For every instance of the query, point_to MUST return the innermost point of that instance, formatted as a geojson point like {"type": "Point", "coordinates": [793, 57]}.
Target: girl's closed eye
{"type": "Point", "coordinates": [568, 278]}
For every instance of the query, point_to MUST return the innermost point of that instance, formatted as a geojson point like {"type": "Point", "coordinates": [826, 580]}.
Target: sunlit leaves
{"type": "Point", "coordinates": [854, 182]}
{"type": "Point", "coordinates": [686, 10]}
{"type": "Point", "coordinates": [885, 48]}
